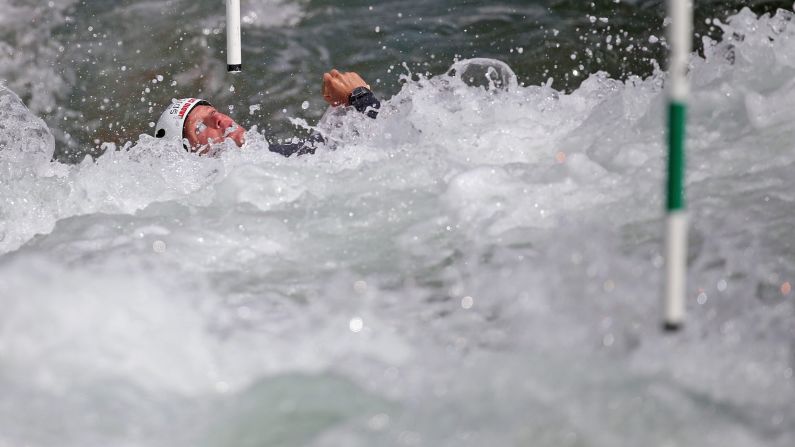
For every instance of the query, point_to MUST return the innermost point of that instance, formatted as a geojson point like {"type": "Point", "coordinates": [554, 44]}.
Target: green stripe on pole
{"type": "Point", "coordinates": [676, 156]}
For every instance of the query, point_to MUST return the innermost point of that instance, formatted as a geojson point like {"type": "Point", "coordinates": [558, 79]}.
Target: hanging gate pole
{"type": "Point", "coordinates": [233, 57]}
{"type": "Point", "coordinates": [680, 35]}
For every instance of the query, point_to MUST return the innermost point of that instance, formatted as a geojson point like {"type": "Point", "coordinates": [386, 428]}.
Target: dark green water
{"type": "Point", "coordinates": [112, 50]}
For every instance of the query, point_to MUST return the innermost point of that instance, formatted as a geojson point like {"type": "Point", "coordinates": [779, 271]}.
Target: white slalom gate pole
{"type": "Point", "coordinates": [680, 35]}
{"type": "Point", "coordinates": [233, 57]}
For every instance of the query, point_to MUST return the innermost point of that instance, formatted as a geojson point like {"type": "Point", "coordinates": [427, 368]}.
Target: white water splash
{"type": "Point", "coordinates": [167, 292]}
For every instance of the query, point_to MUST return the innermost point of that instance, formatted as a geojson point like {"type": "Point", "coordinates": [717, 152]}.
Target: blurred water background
{"type": "Point", "coordinates": [475, 267]}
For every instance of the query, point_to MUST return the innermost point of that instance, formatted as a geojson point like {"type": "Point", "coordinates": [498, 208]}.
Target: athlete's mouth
{"type": "Point", "coordinates": [230, 130]}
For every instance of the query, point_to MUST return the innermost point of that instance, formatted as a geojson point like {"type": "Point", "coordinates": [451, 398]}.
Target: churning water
{"type": "Point", "coordinates": [479, 266]}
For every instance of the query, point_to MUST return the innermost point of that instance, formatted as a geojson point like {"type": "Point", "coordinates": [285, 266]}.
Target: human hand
{"type": "Point", "coordinates": [337, 87]}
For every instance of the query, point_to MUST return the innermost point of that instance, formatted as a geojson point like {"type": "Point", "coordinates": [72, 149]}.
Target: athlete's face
{"type": "Point", "coordinates": [206, 125]}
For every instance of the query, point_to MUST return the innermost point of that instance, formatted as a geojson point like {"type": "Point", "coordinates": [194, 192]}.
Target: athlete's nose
{"type": "Point", "coordinates": [222, 121]}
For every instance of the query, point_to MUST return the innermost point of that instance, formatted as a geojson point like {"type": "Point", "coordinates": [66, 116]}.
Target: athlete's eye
{"type": "Point", "coordinates": [200, 127]}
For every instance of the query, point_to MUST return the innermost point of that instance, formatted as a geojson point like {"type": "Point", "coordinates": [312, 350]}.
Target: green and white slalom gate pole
{"type": "Point", "coordinates": [680, 35]}
{"type": "Point", "coordinates": [234, 62]}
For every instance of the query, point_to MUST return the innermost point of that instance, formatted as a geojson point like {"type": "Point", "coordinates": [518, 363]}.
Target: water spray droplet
{"type": "Point", "coordinates": [356, 324]}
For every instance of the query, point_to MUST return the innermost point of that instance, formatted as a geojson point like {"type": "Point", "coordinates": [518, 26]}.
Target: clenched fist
{"type": "Point", "coordinates": [337, 87]}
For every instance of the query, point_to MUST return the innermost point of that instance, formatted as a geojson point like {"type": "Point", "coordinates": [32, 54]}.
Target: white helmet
{"type": "Point", "coordinates": [172, 120]}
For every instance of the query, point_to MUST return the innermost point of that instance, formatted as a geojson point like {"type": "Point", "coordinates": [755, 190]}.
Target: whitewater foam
{"type": "Point", "coordinates": [151, 285]}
